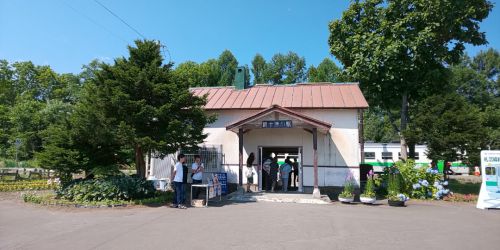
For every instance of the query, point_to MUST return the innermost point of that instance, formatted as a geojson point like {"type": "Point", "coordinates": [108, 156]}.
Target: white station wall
{"type": "Point", "coordinates": [338, 151]}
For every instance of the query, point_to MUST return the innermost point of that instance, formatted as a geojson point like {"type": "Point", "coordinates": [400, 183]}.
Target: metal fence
{"type": "Point", "coordinates": [211, 156]}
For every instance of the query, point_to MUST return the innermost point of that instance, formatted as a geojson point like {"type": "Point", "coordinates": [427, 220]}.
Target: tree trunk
{"type": "Point", "coordinates": [404, 121]}
{"type": "Point", "coordinates": [140, 165]}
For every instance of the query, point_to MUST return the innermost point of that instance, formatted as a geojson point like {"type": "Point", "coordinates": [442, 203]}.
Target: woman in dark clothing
{"type": "Point", "coordinates": [273, 173]}
{"type": "Point", "coordinates": [250, 160]}
{"type": "Point", "coordinates": [184, 181]}
{"type": "Point", "coordinates": [295, 166]}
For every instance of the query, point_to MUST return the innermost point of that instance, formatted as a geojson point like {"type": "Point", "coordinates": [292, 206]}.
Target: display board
{"type": "Point", "coordinates": [489, 196]}
{"type": "Point", "coordinates": [222, 177]}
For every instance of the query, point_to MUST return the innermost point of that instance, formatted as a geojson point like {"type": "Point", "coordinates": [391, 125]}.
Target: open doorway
{"type": "Point", "coordinates": [295, 156]}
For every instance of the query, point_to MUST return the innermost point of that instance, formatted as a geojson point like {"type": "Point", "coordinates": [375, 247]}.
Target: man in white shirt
{"type": "Point", "coordinates": [197, 174]}
{"type": "Point", "coordinates": [177, 176]}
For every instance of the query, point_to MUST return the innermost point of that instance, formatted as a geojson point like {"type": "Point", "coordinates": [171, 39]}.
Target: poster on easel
{"type": "Point", "coordinates": [211, 192]}
{"type": "Point", "coordinates": [489, 196]}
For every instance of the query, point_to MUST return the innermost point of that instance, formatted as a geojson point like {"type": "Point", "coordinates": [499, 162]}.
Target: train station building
{"type": "Point", "coordinates": [318, 125]}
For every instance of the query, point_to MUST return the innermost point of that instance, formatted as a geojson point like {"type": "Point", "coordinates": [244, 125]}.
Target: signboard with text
{"type": "Point", "coordinates": [489, 196]}
{"type": "Point", "coordinates": [277, 124]}
{"type": "Point", "coordinates": [222, 177]}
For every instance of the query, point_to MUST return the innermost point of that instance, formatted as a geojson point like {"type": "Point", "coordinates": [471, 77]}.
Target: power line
{"type": "Point", "coordinates": [119, 18]}
{"type": "Point", "coordinates": [94, 22]}
{"type": "Point", "coordinates": [162, 47]}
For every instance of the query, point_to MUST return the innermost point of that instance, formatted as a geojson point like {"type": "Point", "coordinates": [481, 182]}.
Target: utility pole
{"type": "Point", "coordinates": [17, 143]}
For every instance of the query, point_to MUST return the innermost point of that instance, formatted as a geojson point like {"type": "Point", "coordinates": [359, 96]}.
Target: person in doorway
{"type": "Point", "coordinates": [250, 160]}
{"type": "Point", "coordinates": [197, 175]}
{"type": "Point", "coordinates": [266, 166]}
{"type": "Point", "coordinates": [273, 173]}
{"type": "Point", "coordinates": [177, 177]}
{"type": "Point", "coordinates": [295, 167]}
{"type": "Point", "coordinates": [285, 171]}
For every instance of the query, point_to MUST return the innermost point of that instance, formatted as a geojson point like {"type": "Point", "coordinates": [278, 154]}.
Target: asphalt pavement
{"type": "Point", "coordinates": [252, 225]}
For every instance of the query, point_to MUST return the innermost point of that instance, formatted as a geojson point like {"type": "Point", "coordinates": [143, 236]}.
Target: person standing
{"type": "Point", "coordinates": [177, 177]}
{"type": "Point", "coordinates": [295, 166]}
{"type": "Point", "coordinates": [285, 171]}
{"type": "Point", "coordinates": [250, 160]}
{"type": "Point", "coordinates": [197, 174]}
{"type": "Point", "coordinates": [266, 177]}
{"type": "Point", "coordinates": [185, 171]}
{"type": "Point", "coordinates": [273, 173]}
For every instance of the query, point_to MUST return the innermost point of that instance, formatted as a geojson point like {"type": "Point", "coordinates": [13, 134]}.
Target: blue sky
{"type": "Point", "coordinates": [67, 34]}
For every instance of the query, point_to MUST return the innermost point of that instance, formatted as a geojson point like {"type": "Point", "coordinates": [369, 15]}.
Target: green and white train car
{"type": "Point", "coordinates": [381, 155]}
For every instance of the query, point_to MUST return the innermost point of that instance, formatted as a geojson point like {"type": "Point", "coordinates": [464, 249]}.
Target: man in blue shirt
{"type": "Point", "coordinates": [285, 171]}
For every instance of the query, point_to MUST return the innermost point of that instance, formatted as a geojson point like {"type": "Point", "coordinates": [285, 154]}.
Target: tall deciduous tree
{"type": "Point", "coordinates": [327, 71]}
{"type": "Point", "coordinates": [210, 73]}
{"type": "Point", "coordinates": [258, 69]}
{"type": "Point", "coordinates": [285, 69]}
{"type": "Point", "coordinates": [377, 126]}
{"type": "Point", "coordinates": [189, 72]}
{"type": "Point", "coordinates": [227, 64]}
{"type": "Point", "coordinates": [398, 49]}
{"type": "Point", "coordinates": [144, 107]}
{"type": "Point", "coordinates": [477, 79]}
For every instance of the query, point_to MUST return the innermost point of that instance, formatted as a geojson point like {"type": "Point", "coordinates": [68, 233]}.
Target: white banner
{"type": "Point", "coordinates": [489, 196]}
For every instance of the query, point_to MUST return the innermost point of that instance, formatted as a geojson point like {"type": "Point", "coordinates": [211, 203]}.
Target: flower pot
{"type": "Point", "coordinates": [396, 203]}
{"type": "Point", "coordinates": [367, 200]}
{"type": "Point", "coordinates": [346, 199]}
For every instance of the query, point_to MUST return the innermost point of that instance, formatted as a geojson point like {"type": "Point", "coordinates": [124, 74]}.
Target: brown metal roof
{"type": "Point", "coordinates": [302, 95]}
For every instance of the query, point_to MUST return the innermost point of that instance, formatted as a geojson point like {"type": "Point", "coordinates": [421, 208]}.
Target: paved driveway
{"type": "Point", "coordinates": [421, 225]}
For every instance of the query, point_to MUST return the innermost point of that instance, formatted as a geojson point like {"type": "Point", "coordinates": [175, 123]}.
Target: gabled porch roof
{"type": "Point", "coordinates": [306, 122]}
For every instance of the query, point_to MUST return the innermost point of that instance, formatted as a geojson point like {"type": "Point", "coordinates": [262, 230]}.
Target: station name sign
{"type": "Point", "coordinates": [277, 124]}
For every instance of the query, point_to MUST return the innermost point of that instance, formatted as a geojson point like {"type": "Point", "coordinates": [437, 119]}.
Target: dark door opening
{"type": "Point", "coordinates": [294, 153]}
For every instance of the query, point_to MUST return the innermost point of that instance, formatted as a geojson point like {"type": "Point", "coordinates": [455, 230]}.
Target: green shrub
{"type": "Point", "coordinates": [8, 163]}
{"type": "Point", "coordinates": [32, 198]}
{"type": "Point", "coordinates": [110, 188]}
{"type": "Point", "coordinates": [158, 198]}
{"type": "Point", "coordinates": [417, 182]}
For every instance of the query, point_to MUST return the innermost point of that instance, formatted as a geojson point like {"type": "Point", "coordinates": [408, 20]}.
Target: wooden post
{"type": "Point", "coordinates": [240, 169]}
{"type": "Point", "coordinates": [316, 193]}
{"type": "Point", "coordinates": [361, 135]}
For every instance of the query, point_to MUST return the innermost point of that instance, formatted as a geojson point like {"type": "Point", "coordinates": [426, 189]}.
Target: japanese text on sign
{"type": "Point", "coordinates": [277, 124]}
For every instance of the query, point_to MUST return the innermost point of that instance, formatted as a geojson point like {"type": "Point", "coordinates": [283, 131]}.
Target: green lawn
{"type": "Point", "coordinates": [461, 187]}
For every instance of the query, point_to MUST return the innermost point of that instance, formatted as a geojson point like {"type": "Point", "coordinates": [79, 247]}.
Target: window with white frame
{"type": "Point", "coordinates": [370, 155]}
{"type": "Point", "coordinates": [386, 155]}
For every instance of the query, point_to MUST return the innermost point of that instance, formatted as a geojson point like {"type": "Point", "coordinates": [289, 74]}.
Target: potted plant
{"type": "Point", "coordinates": [368, 196]}
{"type": "Point", "coordinates": [347, 195]}
{"type": "Point", "coordinates": [395, 197]}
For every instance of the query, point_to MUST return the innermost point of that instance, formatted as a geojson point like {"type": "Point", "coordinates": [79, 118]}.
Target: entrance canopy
{"type": "Point", "coordinates": [279, 117]}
